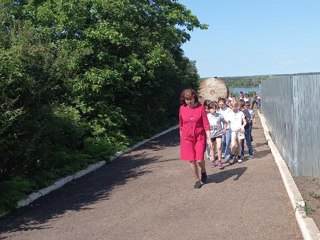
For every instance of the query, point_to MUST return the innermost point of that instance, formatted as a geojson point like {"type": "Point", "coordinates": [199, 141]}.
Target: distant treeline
{"type": "Point", "coordinates": [244, 81]}
{"type": "Point", "coordinates": [250, 81]}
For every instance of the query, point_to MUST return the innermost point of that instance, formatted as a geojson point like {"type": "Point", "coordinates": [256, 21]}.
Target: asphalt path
{"type": "Point", "coordinates": [148, 194]}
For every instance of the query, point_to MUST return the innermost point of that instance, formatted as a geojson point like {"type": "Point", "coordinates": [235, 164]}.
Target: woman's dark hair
{"type": "Point", "coordinates": [188, 93]}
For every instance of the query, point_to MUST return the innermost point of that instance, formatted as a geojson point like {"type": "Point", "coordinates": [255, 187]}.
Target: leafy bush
{"type": "Point", "coordinates": [78, 85]}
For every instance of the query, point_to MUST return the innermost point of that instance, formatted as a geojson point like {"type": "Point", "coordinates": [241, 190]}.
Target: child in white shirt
{"type": "Point", "coordinates": [237, 123]}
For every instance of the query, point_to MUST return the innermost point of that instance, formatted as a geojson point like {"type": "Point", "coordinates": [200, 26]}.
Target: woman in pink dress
{"type": "Point", "coordinates": [194, 131]}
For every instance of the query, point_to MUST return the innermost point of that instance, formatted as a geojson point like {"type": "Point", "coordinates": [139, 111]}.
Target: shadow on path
{"type": "Point", "coordinates": [79, 194]}
{"type": "Point", "coordinates": [261, 144]}
{"type": "Point", "coordinates": [170, 139]}
{"type": "Point", "coordinates": [262, 154]}
{"type": "Point", "coordinates": [224, 175]}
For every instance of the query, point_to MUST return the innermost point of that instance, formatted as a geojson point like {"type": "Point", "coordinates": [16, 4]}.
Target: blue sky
{"type": "Point", "coordinates": [255, 37]}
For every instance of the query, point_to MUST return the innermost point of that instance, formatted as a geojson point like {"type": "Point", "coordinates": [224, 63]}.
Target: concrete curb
{"type": "Point", "coordinates": [58, 184]}
{"type": "Point", "coordinates": [306, 224]}
{"type": "Point", "coordinates": [61, 182]}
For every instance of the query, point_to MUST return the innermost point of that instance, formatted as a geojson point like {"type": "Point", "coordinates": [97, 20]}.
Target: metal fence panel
{"type": "Point", "coordinates": [290, 106]}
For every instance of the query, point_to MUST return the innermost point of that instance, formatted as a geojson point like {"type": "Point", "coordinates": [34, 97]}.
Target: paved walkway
{"type": "Point", "coordinates": [148, 194]}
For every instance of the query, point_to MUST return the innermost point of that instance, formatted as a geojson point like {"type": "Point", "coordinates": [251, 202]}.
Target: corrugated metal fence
{"type": "Point", "coordinates": [291, 107]}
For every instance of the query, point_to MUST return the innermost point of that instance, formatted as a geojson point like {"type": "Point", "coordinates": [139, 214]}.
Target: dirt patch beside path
{"type": "Point", "coordinates": [309, 188]}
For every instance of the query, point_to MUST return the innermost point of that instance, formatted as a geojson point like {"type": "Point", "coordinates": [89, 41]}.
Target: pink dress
{"type": "Point", "coordinates": [193, 123]}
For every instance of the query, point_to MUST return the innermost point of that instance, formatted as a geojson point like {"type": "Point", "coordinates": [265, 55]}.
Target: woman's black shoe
{"type": "Point", "coordinates": [204, 177]}
{"type": "Point", "coordinates": [198, 184]}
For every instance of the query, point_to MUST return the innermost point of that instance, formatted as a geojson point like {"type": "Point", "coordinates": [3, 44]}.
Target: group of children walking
{"type": "Point", "coordinates": [231, 123]}
{"type": "Point", "coordinates": [222, 126]}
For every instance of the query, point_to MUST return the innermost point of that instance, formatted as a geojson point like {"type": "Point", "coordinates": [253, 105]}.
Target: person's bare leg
{"type": "Point", "coordinates": [194, 168]}
{"type": "Point", "coordinates": [233, 146]}
{"type": "Point", "coordinates": [219, 150]}
{"type": "Point", "coordinates": [239, 147]}
{"type": "Point", "coordinates": [202, 165]}
{"type": "Point", "coordinates": [212, 155]}
{"type": "Point", "coordinates": [239, 150]}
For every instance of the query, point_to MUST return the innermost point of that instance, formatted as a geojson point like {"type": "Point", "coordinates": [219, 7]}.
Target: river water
{"type": "Point", "coordinates": [245, 90]}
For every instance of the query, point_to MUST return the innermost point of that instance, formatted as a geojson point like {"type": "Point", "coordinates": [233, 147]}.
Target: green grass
{"type": "Point", "coordinates": [308, 209]}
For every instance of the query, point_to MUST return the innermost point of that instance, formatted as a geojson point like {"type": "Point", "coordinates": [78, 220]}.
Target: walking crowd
{"type": "Point", "coordinates": [222, 127]}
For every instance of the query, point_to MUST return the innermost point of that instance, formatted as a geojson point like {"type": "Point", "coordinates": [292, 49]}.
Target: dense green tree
{"type": "Point", "coordinates": [87, 78]}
